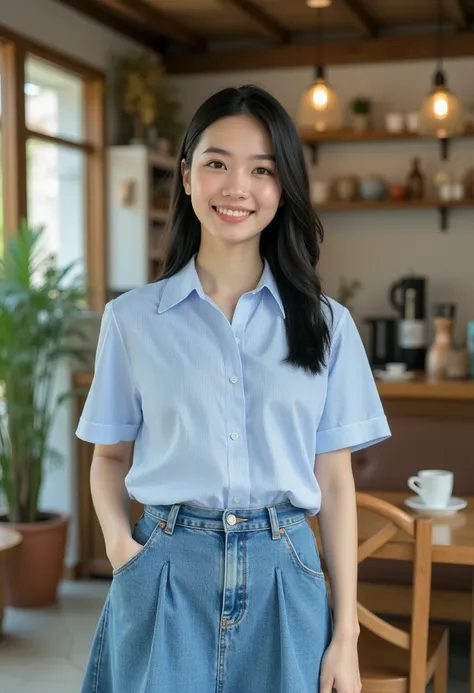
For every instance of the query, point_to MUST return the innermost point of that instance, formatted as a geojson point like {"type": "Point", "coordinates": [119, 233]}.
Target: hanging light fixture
{"type": "Point", "coordinates": [319, 106]}
{"type": "Point", "coordinates": [442, 113]}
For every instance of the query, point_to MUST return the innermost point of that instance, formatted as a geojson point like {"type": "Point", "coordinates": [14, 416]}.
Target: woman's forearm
{"type": "Point", "coordinates": [107, 479]}
{"type": "Point", "coordinates": [338, 526]}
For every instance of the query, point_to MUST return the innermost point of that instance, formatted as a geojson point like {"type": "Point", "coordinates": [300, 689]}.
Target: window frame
{"type": "Point", "coordinates": [14, 51]}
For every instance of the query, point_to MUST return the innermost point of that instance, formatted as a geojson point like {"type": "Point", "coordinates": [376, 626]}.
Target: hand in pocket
{"type": "Point", "coordinates": [123, 551]}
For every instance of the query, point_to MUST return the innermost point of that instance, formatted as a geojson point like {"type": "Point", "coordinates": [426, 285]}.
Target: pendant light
{"type": "Point", "coordinates": [442, 113]}
{"type": "Point", "coordinates": [319, 106]}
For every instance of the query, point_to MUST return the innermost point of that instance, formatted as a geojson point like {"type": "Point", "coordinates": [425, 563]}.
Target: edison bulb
{"type": "Point", "coordinates": [320, 96]}
{"type": "Point", "coordinates": [442, 113]}
{"type": "Point", "coordinates": [440, 106]}
{"type": "Point", "coordinates": [319, 108]}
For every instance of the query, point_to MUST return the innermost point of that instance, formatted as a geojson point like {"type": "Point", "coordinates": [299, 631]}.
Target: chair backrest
{"type": "Point", "coordinates": [419, 545]}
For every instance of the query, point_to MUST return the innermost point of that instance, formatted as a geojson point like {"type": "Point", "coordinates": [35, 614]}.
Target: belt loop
{"type": "Point", "coordinates": [169, 529]}
{"type": "Point", "coordinates": [274, 522]}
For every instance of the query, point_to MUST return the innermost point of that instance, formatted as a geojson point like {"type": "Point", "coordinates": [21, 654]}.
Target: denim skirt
{"type": "Point", "coordinates": [217, 601]}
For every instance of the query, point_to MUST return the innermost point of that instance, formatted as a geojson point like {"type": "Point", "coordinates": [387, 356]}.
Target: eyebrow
{"type": "Point", "coordinates": [224, 152]}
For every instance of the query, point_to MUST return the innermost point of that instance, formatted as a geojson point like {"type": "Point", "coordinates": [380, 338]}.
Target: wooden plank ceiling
{"type": "Point", "coordinates": [224, 35]}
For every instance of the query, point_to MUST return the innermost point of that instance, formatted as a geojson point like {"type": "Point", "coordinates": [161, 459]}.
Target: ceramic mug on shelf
{"type": "Point", "coordinates": [394, 122]}
{"type": "Point", "coordinates": [319, 191]}
{"type": "Point", "coordinates": [434, 486]}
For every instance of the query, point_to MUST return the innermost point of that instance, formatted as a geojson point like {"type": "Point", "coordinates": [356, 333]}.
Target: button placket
{"type": "Point", "coordinates": [238, 464]}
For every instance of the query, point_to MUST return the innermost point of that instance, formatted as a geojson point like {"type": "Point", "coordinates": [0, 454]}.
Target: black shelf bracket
{"type": "Point", "coordinates": [444, 147]}
{"type": "Point", "coordinates": [443, 218]}
{"type": "Point", "coordinates": [313, 146]}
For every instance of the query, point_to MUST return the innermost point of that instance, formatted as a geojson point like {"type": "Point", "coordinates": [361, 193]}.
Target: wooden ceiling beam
{"type": "Point", "coordinates": [160, 23]}
{"type": "Point", "coordinates": [383, 49]}
{"type": "Point", "coordinates": [117, 20]}
{"type": "Point", "coordinates": [268, 24]}
{"type": "Point", "coordinates": [363, 20]}
{"type": "Point", "coordinates": [459, 15]}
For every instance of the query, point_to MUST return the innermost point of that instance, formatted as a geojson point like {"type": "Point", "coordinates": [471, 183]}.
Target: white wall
{"type": "Point", "coordinates": [73, 34]}
{"type": "Point", "coordinates": [379, 247]}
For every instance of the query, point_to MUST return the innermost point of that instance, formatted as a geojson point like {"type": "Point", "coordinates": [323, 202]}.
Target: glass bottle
{"type": "Point", "coordinates": [415, 182]}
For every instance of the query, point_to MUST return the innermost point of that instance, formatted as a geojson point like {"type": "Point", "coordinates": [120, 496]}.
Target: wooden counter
{"type": "Point", "coordinates": [423, 388]}
{"type": "Point", "coordinates": [418, 388]}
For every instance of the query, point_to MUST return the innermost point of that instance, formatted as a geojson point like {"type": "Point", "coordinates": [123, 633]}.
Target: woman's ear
{"type": "Point", "coordinates": [185, 176]}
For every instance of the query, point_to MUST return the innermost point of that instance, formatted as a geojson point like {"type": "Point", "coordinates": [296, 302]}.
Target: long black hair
{"type": "Point", "coordinates": [290, 242]}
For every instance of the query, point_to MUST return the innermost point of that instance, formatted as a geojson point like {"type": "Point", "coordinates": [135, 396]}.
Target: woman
{"type": "Point", "coordinates": [245, 390]}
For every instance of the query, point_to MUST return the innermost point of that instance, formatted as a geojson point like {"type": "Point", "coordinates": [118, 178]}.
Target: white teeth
{"type": "Point", "coordinates": [232, 213]}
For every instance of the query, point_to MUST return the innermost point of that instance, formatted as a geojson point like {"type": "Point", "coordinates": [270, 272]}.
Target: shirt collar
{"type": "Point", "coordinates": [183, 283]}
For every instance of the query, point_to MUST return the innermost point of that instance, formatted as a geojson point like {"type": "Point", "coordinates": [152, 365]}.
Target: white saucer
{"type": "Point", "coordinates": [385, 375]}
{"type": "Point", "coordinates": [454, 504]}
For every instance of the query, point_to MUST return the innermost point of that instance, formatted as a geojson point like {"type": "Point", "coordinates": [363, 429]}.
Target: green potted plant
{"type": "Point", "coordinates": [39, 309]}
{"type": "Point", "coordinates": [361, 109]}
{"type": "Point", "coordinates": [347, 291]}
{"type": "Point", "coordinates": [147, 98]}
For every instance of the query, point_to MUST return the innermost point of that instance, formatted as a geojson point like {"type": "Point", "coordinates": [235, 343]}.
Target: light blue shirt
{"type": "Point", "coordinates": [217, 418]}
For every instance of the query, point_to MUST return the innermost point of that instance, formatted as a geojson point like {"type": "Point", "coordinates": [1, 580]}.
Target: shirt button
{"type": "Point", "coordinates": [234, 436]}
{"type": "Point", "coordinates": [231, 520]}
{"type": "Point", "coordinates": [237, 339]}
{"type": "Point", "coordinates": [236, 499]}
{"type": "Point", "coordinates": [233, 379]}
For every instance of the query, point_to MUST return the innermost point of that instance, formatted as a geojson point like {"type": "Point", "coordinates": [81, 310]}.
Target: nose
{"type": "Point", "coordinates": [236, 186]}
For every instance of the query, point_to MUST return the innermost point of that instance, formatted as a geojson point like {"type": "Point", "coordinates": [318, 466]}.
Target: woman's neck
{"type": "Point", "coordinates": [228, 274]}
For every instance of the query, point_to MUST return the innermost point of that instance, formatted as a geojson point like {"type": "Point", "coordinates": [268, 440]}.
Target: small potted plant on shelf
{"type": "Point", "coordinates": [39, 310]}
{"type": "Point", "coordinates": [361, 109]}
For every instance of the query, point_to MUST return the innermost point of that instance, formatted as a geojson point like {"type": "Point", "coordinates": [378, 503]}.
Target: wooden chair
{"type": "Point", "coordinates": [399, 658]}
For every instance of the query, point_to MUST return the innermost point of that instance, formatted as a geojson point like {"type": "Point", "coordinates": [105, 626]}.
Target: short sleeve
{"type": "Point", "coordinates": [112, 412]}
{"type": "Point", "coordinates": [353, 415]}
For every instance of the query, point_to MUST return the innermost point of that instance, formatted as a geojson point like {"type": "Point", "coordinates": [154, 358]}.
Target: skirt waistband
{"type": "Point", "coordinates": [272, 517]}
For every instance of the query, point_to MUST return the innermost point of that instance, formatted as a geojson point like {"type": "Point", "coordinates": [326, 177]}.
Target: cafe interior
{"type": "Point", "coordinates": [95, 95]}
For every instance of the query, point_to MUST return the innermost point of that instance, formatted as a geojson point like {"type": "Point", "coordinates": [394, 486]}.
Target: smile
{"type": "Point", "coordinates": [239, 213]}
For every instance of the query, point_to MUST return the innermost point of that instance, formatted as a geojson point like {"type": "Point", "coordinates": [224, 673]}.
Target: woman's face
{"type": "Point", "coordinates": [233, 181]}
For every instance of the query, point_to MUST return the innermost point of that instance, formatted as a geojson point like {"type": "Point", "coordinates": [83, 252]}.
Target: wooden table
{"type": "Point", "coordinates": [453, 543]}
{"type": "Point", "coordinates": [9, 540]}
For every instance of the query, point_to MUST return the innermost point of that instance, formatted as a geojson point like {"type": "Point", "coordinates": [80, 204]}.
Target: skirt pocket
{"type": "Point", "coordinates": [145, 532]}
{"type": "Point", "coordinates": [299, 540]}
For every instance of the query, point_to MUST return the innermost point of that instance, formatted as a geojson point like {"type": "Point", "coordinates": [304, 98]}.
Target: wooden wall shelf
{"type": "Point", "coordinates": [313, 139]}
{"type": "Point", "coordinates": [360, 205]}
{"type": "Point", "coordinates": [337, 206]}
{"type": "Point", "coordinates": [347, 135]}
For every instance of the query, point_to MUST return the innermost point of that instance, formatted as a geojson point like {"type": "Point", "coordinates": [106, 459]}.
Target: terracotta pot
{"type": "Point", "coordinates": [32, 573]}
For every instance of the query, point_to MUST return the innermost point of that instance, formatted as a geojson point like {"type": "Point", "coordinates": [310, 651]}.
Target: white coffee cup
{"type": "Point", "coordinates": [395, 369]}
{"type": "Point", "coordinates": [434, 486]}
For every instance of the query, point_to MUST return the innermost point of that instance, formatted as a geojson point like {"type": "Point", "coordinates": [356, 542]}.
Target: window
{"type": "Point", "coordinates": [52, 131]}
{"type": "Point", "coordinates": [54, 106]}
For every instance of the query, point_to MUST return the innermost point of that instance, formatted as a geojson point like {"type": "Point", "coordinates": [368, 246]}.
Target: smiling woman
{"type": "Point", "coordinates": [245, 389]}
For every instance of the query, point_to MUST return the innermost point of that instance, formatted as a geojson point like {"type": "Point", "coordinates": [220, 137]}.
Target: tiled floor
{"type": "Point", "coordinates": [44, 650]}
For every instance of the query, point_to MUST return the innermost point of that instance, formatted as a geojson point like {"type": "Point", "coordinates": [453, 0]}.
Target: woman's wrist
{"type": "Point", "coordinates": [346, 632]}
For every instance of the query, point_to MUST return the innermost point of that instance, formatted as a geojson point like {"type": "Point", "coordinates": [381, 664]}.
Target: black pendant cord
{"type": "Point", "coordinates": [439, 38]}
{"type": "Point", "coordinates": [319, 70]}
